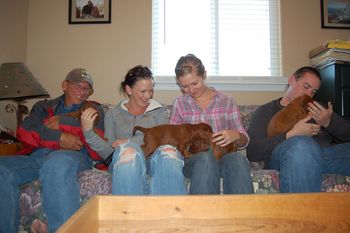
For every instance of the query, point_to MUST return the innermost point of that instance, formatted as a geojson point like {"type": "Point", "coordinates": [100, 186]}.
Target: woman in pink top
{"type": "Point", "coordinates": [199, 103]}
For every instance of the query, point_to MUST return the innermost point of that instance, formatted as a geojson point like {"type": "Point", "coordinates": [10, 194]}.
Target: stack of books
{"type": "Point", "coordinates": [331, 51]}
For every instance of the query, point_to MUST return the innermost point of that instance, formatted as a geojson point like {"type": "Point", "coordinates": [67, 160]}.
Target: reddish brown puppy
{"type": "Point", "coordinates": [77, 114]}
{"type": "Point", "coordinates": [285, 119]}
{"type": "Point", "coordinates": [179, 136]}
{"type": "Point", "coordinates": [189, 139]}
{"type": "Point", "coordinates": [202, 143]}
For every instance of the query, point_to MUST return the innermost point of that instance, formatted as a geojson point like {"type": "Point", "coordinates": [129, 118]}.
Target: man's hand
{"type": "Point", "coordinates": [304, 128]}
{"type": "Point", "coordinates": [320, 114]}
{"type": "Point", "coordinates": [53, 123]}
{"type": "Point", "coordinates": [69, 141]}
{"type": "Point", "coordinates": [88, 117]}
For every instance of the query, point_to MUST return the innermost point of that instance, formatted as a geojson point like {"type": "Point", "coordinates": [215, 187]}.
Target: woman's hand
{"type": "Point", "coordinates": [119, 142]}
{"type": "Point", "coordinates": [88, 117]}
{"type": "Point", "coordinates": [224, 137]}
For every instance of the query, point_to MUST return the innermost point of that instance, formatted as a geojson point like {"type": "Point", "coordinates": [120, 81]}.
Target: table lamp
{"type": "Point", "coordinates": [18, 84]}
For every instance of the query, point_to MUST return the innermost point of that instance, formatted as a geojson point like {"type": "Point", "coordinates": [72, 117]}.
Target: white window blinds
{"type": "Point", "coordinates": [231, 37]}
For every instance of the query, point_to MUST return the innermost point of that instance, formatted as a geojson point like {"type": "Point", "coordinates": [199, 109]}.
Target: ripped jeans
{"type": "Point", "coordinates": [160, 174]}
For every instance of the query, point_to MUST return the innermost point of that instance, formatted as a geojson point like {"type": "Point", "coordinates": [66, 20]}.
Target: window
{"type": "Point", "coordinates": [235, 39]}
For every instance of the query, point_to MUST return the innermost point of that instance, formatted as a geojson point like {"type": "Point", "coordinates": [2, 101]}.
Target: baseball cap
{"type": "Point", "coordinates": [79, 75]}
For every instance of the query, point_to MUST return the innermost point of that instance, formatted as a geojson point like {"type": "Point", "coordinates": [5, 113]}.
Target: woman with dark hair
{"type": "Point", "coordinates": [161, 173]}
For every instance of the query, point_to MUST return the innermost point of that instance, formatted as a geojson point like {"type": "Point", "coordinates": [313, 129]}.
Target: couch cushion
{"type": "Point", "coordinates": [246, 114]}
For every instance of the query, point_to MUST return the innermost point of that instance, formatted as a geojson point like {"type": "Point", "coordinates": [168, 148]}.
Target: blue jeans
{"type": "Point", "coordinates": [205, 171]}
{"type": "Point", "coordinates": [57, 171]}
{"type": "Point", "coordinates": [301, 162]}
{"type": "Point", "coordinates": [161, 174]}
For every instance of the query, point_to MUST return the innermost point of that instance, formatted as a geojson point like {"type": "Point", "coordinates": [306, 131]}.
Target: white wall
{"type": "Point", "coordinates": [13, 44]}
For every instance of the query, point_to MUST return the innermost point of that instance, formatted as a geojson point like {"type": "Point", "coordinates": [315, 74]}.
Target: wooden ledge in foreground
{"type": "Point", "coordinates": [318, 212]}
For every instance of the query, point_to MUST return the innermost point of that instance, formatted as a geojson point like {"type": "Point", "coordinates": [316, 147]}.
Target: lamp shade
{"type": "Point", "coordinates": [18, 83]}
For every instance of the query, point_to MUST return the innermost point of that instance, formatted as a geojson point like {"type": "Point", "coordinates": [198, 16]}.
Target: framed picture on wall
{"type": "Point", "coordinates": [335, 14]}
{"type": "Point", "coordinates": [89, 11]}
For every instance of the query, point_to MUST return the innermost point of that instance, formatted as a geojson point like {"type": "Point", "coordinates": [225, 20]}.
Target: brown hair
{"type": "Point", "coordinates": [306, 69]}
{"type": "Point", "coordinates": [187, 64]}
{"type": "Point", "coordinates": [135, 74]}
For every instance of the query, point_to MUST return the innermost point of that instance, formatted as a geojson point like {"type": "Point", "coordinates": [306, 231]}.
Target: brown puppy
{"type": "Point", "coordinates": [189, 139]}
{"type": "Point", "coordinates": [180, 136]}
{"type": "Point", "coordinates": [53, 122]}
{"type": "Point", "coordinates": [285, 119]}
{"type": "Point", "coordinates": [202, 143]}
{"type": "Point", "coordinates": [77, 114]}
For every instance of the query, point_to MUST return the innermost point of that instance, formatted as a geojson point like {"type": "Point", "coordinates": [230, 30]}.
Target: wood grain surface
{"type": "Point", "coordinates": [318, 212]}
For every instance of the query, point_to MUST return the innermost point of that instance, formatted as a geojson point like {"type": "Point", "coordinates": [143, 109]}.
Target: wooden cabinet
{"type": "Point", "coordinates": [336, 87]}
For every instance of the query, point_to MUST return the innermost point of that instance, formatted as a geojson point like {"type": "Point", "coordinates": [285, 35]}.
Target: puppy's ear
{"type": "Point", "coordinates": [204, 126]}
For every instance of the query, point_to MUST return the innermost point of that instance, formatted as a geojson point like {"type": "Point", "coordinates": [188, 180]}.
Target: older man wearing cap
{"type": "Point", "coordinates": [57, 153]}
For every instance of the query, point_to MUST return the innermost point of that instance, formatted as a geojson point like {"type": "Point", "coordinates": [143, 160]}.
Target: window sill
{"type": "Point", "coordinates": [229, 83]}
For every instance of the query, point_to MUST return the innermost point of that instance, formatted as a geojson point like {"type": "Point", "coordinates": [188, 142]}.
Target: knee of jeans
{"type": "Point", "coordinates": [303, 144]}
{"type": "Point", "coordinates": [299, 140]}
{"type": "Point", "coordinates": [206, 159]}
{"type": "Point", "coordinates": [168, 152]}
{"type": "Point", "coordinates": [126, 155]}
{"type": "Point", "coordinates": [235, 158]}
{"type": "Point", "coordinates": [303, 150]}
{"type": "Point", "coordinates": [6, 174]}
{"type": "Point", "coordinates": [167, 157]}
{"type": "Point", "coordinates": [59, 160]}
{"type": "Point", "coordinates": [59, 164]}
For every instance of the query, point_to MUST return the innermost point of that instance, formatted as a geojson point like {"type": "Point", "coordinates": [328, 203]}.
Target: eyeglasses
{"type": "Point", "coordinates": [80, 88]}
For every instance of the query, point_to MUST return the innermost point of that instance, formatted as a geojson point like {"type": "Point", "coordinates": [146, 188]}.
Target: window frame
{"type": "Point", "coordinates": [232, 83]}
{"type": "Point", "coordinates": [229, 83]}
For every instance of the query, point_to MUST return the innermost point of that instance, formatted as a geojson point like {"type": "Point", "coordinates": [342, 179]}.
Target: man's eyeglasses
{"type": "Point", "coordinates": [78, 87]}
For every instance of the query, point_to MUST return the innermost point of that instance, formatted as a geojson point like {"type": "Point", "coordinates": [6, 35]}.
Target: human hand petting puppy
{"type": "Point", "coordinates": [317, 112]}
{"type": "Point", "coordinates": [320, 114]}
{"type": "Point", "coordinates": [303, 127]}
{"type": "Point", "coordinates": [68, 141]}
{"type": "Point", "coordinates": [225, 137]}
{"type": "Point", "coordinates": [88, 117]}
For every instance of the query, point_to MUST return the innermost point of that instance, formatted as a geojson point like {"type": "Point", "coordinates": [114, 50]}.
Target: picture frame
{"type": "Point", "coordinates": [89, 11]}
{"type": "Point", "coordinates": [335, 14]}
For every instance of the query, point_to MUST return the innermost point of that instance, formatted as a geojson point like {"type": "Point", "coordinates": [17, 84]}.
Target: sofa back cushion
{"type": "Point", "coordinates": [246, 114]}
